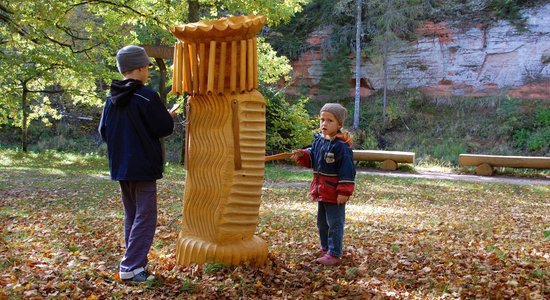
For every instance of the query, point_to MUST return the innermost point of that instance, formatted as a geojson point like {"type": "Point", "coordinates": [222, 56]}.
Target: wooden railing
{"type": "Point", "coordinates": [485, 164]}
{"type": "Point", "coordinates": [389, 159]}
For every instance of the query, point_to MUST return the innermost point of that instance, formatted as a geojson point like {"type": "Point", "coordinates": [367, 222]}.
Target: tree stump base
{"type": "Point", "coordinates": [389, 164]}
{"type": "Point", "coordinates": [485, 170]}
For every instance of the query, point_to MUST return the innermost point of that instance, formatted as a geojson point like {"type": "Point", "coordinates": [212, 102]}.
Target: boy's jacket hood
{"type": "Point", "coordinates": [123, 90]}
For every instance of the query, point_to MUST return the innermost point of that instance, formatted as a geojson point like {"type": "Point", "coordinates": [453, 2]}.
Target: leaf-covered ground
{"type": "Point", "coordinates": [61, 237]}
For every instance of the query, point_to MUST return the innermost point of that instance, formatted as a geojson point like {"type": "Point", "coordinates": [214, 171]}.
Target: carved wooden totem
{"type": "Point", "coordinates": [216, 63]}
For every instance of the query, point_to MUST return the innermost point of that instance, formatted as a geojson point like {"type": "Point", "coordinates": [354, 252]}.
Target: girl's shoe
{"type": "Point", "coordinates": [328, 260]}
{"type": "Point", "coordinates": [322, 252]}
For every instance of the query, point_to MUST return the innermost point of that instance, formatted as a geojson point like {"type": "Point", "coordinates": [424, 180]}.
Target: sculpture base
{"type": "Point", "coordinates": [194, 250]}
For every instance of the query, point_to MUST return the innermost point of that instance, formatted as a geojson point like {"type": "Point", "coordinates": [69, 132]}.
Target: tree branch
{"type": "Point", "coordinates": [5, 16]}
{"type": "Point", "coordinates": [47, 91]}
{"type": "Point", "coordinates": [119, 5]}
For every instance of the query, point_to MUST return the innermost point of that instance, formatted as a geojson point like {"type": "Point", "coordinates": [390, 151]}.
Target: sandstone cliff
{"type": "Point", "coordinates": [448, 60]}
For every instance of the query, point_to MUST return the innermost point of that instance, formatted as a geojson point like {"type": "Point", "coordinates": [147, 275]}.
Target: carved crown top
{"type": "Point", "coordinates": [224, 29]}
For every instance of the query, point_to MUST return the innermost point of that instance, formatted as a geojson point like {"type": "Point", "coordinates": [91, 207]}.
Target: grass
{"type": "Point", "coordinates": [61, 237]}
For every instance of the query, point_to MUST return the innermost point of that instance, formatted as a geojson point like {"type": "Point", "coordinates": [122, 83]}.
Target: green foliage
{"type": "Point", "coordinates": [369, 140]}
{"type": "Point", "coordinates": [449, 149]}
{"type": "Point", "coordinates": [392, 19]}
{"type": "Point", "coordinates": [399, 108]}
{"type": "Point", "coordinates": [62, 137]}
{"type": "Point", "coordinates": [533, 140]}
{"type": "Point", "coordinates": [509, 10]}
{"type": "Point", "coordinates": [542, 117]}
{"type": "Point", "coordinates": [546, 233]}
{"type": "Point", "coordinates": [271, 67]}
{"type": "Point", "coordinates": [290, 39]}
{"type": "Point", "coordinates": [288, 124]}
{"type": "Point", "coordinates": [277, 11]}
{"type": "Point", "coordinates": [508, 114]}
{"type": "Point", "coordinates": [213, 267]}
{"type": "Point", "coordinates": [335, 85]}
{"type": "Point", "coordinates": [440, 129]}
{"type": "Point", "coordinates": [69, 50]}
{"type": "Point", "coordinates": [188, 286]}
{"type": "Point", "coordinates": [59, 55]}
{"type": "Point", "coordinates": [534, 135]}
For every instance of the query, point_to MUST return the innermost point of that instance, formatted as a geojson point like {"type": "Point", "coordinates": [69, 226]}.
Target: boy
{"type": "Point", "coordinates": [132, 123]}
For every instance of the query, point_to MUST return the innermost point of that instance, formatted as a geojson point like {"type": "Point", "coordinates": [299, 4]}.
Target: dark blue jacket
{"type": "Point", "coordinates": [132, 123]}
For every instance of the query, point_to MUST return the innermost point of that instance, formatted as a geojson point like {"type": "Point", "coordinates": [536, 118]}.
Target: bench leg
{"type": "Point", "coordinates": [389, 164]}
{"type": "Point", "coordinates": [485, 170]}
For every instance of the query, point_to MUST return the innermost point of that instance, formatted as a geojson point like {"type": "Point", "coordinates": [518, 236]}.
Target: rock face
{"type": "Point", "coordinates": [447, 60]}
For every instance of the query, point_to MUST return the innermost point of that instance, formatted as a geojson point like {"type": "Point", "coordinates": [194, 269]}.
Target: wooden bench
{"type": "Point", "coordinates": [389, 159]}
{"type": "Point", "coordinates": [486, 163]}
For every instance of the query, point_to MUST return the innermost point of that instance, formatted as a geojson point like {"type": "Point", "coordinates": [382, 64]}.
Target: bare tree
{"type": "Point", "coordinates": [392, 21]}
{"type": "Point", "coordinates": [358, 30]}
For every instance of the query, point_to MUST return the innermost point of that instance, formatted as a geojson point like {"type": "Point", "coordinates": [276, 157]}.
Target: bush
{"type": "Point", "coordinates": [534, 135]}
{"type": "Point", "coordinates": [439, 129]}
{"type": "Point", "coordinates": [399, 110]}
{"type": "Point", "coordinates": [288, 125]}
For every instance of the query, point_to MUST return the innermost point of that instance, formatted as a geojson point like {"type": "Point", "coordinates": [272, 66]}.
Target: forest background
{"type": "Point", "coordinates": [56, 69]}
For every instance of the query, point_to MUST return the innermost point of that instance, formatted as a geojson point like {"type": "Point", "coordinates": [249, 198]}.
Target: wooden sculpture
{"type": "Point", "coordinates": [216, 63]}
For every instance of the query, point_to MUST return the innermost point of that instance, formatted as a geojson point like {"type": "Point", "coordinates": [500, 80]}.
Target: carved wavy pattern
{"type": "Point", "coordinates": [208, 164]}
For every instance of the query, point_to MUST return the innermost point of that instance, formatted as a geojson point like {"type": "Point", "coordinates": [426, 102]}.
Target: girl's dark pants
{"type": "Point", "coordinates": [330, 222]}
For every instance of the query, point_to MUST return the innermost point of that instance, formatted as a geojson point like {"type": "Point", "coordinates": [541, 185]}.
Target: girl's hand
{"type": "Point", "coordinates": [342, 199]}
{"type": "Point", "coordinates": [296, 154]}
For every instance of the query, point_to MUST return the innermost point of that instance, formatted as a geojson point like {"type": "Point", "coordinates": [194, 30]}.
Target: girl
{"type": "Point", "coordinates": [330, 156]}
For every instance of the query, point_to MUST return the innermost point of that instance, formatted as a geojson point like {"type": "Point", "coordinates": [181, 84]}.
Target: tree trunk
{"type": "Point", "coordinates": [385, 49]}
{"type": "Point", "coordinates": [24, 125]}
{"type": "Point", "coordinates": [385, 70]}
{"type": "Point", "coordinates": [193, 8]}
{"type": "Point", "coordinates": [163, 91]}
{"type": "Point", "coordinates": [193, 16]}
{"type": "Point", "coordinates": [357, 65]}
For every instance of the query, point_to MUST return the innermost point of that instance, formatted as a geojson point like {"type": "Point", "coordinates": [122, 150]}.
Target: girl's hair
{"type": "Point", "coordinates": [346, 136]}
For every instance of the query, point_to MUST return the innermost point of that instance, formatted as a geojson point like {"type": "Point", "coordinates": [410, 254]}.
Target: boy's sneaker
{"type": "Point", "coordinates": [328, 260]}
{"type": "Point", "coordinates": [143, 276]}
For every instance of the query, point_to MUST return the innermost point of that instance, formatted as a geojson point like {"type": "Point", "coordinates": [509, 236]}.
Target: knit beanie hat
{"type": "Point", "coordinates": [131, 57]}
{"type": "Point", "coordinates": [340, 112]}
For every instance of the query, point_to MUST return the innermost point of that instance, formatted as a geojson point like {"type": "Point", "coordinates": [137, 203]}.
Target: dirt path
{"type": "Point", "coordinates": [460, 177]}
{"type": "Point", "coordinates": [433, 176]}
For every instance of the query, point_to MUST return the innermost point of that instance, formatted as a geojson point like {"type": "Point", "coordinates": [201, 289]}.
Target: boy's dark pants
{"type": "Point", "coordinates": [140, 221]}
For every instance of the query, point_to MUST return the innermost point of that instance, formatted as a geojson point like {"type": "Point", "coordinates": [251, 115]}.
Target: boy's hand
{"type": "Point", "coordinates": [342, 199]}
{"type": "Point", "coordinates": [173, 110]}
